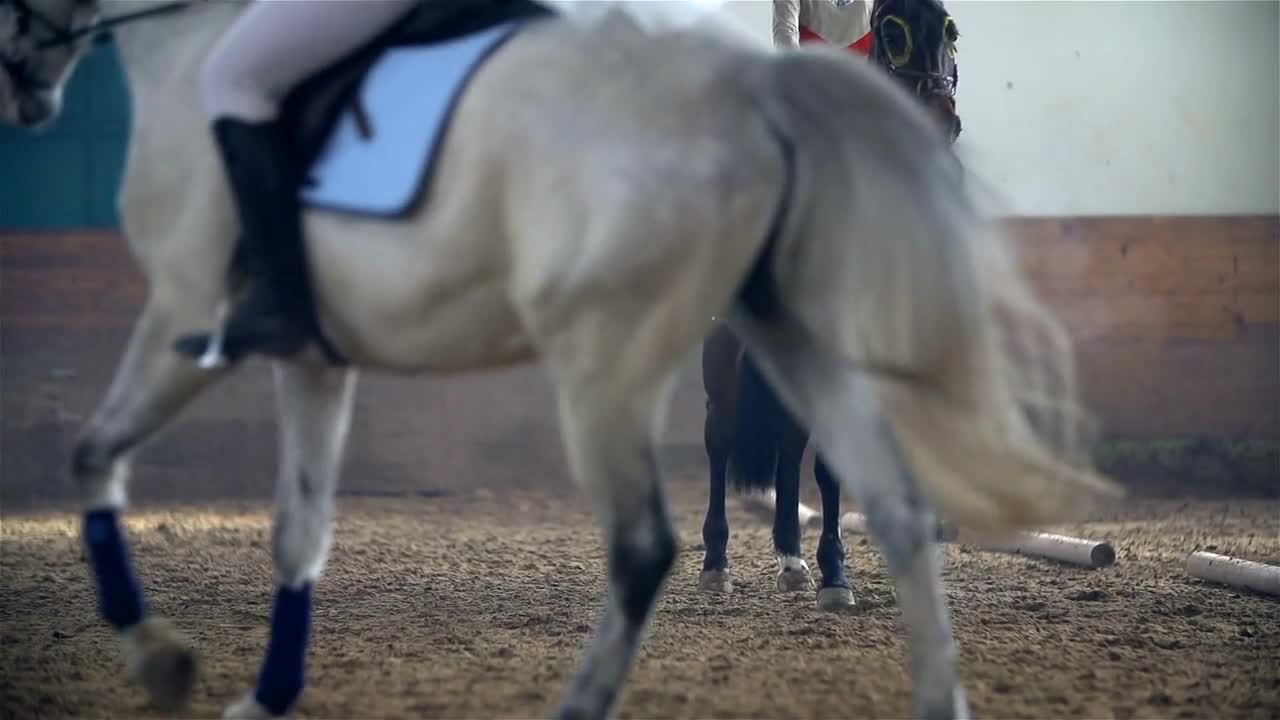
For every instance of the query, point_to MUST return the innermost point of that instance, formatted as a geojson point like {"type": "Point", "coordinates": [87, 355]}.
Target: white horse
{"type": "Point", "coordinates": [605, 188]}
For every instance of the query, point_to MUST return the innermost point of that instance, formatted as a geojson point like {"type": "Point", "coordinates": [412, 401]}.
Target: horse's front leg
{"type": "Point", "coordinates": [835, 593]}
{"type": "Point", "coordinates": [150, 386]}
{"type": "Point", "coordinates": [315, 414]}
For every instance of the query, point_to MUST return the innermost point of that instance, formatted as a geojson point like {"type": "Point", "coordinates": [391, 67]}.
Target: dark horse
{"type": "Point", "coordinates": [751, 439]}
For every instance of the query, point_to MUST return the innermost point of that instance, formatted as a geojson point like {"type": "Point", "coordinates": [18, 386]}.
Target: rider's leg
{"type": "Point", "coordinates": [273, 46]}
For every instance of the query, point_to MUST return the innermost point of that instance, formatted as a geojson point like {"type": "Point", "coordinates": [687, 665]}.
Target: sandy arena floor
{"type": "Point", "coordinates": [476, 606]}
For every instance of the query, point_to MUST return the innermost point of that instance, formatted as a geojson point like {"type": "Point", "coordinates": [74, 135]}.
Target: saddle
{"type": "Point", "coordinates": [311, 111]}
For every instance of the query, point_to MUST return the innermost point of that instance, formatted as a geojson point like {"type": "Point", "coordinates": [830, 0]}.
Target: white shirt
{"type": "Point", "coordinates": [839, 22]}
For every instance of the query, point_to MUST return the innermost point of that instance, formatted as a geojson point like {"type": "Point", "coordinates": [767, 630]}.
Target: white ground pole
{"type": "Point", "coordinates": [1238, 573]}
{"type": "Point", "coordinates": [1063, 548]}
{"type": "Point", "coordinates": [763, 504]}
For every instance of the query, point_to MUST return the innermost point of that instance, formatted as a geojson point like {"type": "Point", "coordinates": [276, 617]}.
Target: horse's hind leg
{"type": "Point", "coordinates": [835, 593]}
{"type": "Point", "coordinates": [719, 376]}
{"type": "Point", "coordinates": [150, 386]}
{"type": "Point", "coordinates": [793, 571]}
{"type": "Point", "coordinates": [610, 439]}
{"type": "Point", "coordinates": [904, 529]}
{"type": "Point", "coordinates": [315, 414]}
{"type": "Point", "coordinates": [842, 409]}
{"type": "Point", "coordinates": [715, 527]}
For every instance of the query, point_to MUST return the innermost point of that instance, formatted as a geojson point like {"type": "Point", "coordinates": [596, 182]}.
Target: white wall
{"type": "Point", "coordinates": [1080, 107]}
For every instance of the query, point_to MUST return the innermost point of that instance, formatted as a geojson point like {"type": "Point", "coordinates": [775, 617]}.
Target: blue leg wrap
{"type": "Point", "coordinates": [118, 590]}
{"type": "Point", "coordinates": [284, 671]}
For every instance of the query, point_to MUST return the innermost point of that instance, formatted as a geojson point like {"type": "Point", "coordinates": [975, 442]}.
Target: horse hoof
{"type": "Point", "coordinates": [954, 707]}
{"type": "Point", "coordinates": [715, 581]}
{"type": "Point", "coordinates": [836, 599]}
{"type": "Point", "coordinates": [247, 708]}
{"type": "Point", "coordinates": [161, 659]}
{"type": "Point", "coordinates": [794, 576]}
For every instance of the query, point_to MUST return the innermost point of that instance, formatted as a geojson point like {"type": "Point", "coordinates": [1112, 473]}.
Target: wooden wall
{"type": "Point", "coordinates": [1176, 320]}
{"type": "Point", "coordinates": [69, 300]}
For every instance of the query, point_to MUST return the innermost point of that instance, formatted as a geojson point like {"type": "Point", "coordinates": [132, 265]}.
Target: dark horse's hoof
{"type": "Point", "coordinates": [836, 599]}
{"type": "Point", "coordinates": [715, 581]}
{"type": "Point", "coordinates": [794, 575]}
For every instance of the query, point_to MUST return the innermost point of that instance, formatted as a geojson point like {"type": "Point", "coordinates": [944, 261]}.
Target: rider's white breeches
{"type": "Point", "coordinates": [276, 44]}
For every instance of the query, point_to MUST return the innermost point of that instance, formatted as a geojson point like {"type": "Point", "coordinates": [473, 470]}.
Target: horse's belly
{"type": "Point", "coordinates": [467, 333]}
{"type": "Point", "coordinates": [394, 303]}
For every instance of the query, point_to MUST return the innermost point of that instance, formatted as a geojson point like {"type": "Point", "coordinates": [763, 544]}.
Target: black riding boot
{"type": "Point", "coordinates": [276, 317]}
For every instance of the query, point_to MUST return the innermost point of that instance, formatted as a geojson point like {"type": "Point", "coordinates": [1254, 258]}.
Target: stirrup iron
{"type": "Point", "coordinates": [213, 357]}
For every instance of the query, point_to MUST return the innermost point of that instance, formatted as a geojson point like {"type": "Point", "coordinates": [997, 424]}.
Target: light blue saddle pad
{"type": "Point", "coordinates": [408, 97]}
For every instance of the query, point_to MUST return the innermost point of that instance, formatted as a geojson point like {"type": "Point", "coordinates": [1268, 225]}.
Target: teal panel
{"type": "Point", "coordinates": [67, 175]}
{"type": "Point", "coordinates": [105, 167]}
{"type": "Point", "coordinates": [44, 185]}
{"type": "Point", "coordinates": [110, 96]}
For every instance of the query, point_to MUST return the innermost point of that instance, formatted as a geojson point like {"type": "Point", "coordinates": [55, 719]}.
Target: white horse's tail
{"type": "Point", "coordinates": [884, 259]}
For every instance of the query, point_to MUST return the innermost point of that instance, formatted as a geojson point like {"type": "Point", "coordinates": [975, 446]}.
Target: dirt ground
{"type": "Point", "coordinates": [476, 606]}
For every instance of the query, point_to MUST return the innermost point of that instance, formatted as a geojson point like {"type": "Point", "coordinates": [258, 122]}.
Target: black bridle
{"type": "Point", "coordinates": [928, 83]}
{"type": "Point", "coordinates": [16, 63]}
{"type": "Point", "coordinates": [64, 36]}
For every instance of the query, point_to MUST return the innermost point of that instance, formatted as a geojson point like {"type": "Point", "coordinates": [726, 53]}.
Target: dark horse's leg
{"type": "Point", "coordinates": [768, 446]}
{"type": "Point", "coordinates": [761, 413]}
{"type": "Point", "coordinates": [835, 593]}
{"type": "Point", "coordinates": [793, 572]}
{"type": "Point", "coordinates": [719, 376]}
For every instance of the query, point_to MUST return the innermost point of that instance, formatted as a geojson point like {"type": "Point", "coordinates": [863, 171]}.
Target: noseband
{"type": "Point", "coordinates": [928, 84]}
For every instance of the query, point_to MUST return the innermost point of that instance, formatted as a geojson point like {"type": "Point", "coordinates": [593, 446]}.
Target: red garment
{"type": "Point", "coordinates": [862, 45]}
